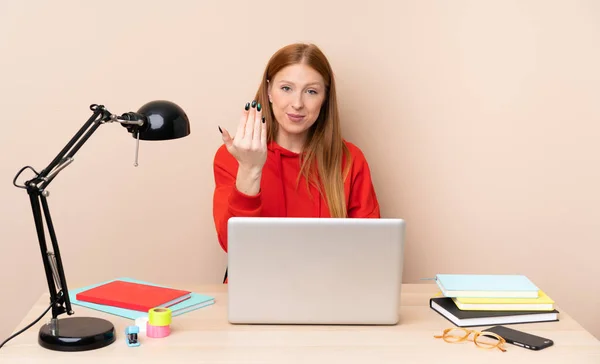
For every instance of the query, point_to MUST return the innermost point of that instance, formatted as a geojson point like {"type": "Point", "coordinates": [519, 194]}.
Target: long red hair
{"type": "Point", "coordinates": [321, 162]}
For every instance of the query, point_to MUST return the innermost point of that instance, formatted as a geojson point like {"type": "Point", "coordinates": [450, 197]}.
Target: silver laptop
{"type": "Point", "coordinates": [314, 270]}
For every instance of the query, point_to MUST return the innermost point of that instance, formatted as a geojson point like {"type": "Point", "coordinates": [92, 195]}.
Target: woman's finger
{"type": "Point", "coordinates": [242, 124]}
{"type": "Point", "coordinates": [227, 140]}
{"type": "Point", "coordinates": [263, 132]}
{"type": "Point", "coordinates": [250, 121]}
{"type": "Point", "coordinates": [257, 123]}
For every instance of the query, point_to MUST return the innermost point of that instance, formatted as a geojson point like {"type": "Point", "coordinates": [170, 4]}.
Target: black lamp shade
{"type": "Point", "coordinates": [165, 120]}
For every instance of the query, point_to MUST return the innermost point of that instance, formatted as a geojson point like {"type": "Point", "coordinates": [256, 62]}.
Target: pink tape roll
{"type": "Point", "coordinates": [157, 331]}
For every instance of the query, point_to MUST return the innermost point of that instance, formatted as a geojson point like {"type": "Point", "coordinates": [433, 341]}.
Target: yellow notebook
{"type": "Point", "coordinates": [542, 303]}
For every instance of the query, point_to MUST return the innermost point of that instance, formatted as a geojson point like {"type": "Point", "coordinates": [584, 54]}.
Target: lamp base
{"type": "Point", "coordinates": [77, 334]}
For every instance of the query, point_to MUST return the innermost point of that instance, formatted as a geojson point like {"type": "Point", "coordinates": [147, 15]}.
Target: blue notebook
{"type": "Point", "coordinates": [195, 302]}
{"type": "Point", "coordinates": [486, 285]}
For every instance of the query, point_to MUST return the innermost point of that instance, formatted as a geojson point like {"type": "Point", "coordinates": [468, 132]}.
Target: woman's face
{"type": "Point", "coordinates": [296, 94]}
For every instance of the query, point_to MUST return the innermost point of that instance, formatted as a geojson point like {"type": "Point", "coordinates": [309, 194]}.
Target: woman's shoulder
{"type": "Point", "coordinates": [223, 157]}
{"type": "Point", "coordinates": [356, 154]}
{"type": "Point", "coordinates": [222, 151]}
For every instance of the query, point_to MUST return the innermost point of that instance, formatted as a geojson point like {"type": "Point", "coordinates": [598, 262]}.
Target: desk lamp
{"type": "Point", "coordinates": [156, 120]}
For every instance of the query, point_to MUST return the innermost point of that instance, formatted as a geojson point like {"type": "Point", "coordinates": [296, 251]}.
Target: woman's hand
{"type": "Point", "coordinates": [249, 147]}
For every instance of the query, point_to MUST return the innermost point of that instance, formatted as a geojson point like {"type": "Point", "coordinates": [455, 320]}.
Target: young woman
{"type": "Point", "coordinates": [288, 158]}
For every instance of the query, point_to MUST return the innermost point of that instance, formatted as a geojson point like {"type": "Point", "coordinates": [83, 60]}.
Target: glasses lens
{"type": "Point", "coordinates": [456, 335]}
{"type": "Point", "coordinates": [487, 341]}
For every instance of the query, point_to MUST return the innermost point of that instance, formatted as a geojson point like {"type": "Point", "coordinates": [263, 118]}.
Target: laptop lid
{"type": "Point", "coordinates": [314, 270]}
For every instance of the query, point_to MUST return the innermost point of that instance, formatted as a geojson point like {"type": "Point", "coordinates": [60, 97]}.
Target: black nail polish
{"type": "Point", "coordinates": [247, 106]}
{"type": "Point", "coordinates": [263, 120]}
{"type": "Point", "coordinates": [221, 131]}
{"type": "Point", "coordinates": [258, 107]}
{"type": "Point", "coordinates": [253, 103]}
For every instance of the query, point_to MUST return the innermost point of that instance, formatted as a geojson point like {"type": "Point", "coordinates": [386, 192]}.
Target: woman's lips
{"type": "Point", "coordinates": [295, 117]}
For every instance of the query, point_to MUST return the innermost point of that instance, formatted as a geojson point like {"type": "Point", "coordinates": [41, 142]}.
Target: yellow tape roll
{"type": "Point", "coordinates": [159, 316]}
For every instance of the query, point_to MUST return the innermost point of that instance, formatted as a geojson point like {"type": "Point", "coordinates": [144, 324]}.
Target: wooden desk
{"type": "Point", "coordinates": [205, 336]}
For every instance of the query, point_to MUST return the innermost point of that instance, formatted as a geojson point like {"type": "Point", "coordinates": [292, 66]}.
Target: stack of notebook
{"type": "Point", "coordinates": [476, 300]}
{"type": "Point", "coordinates": [131, 298]}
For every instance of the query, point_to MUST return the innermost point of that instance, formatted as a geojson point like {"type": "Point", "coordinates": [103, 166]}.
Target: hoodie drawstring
{"type": "Point", "coordinates": [282, 190]}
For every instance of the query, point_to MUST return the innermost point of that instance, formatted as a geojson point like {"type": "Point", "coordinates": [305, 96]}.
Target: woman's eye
{"type": "Point", "coordinates": [312, 92]}
{"type": "Point", "coordinates": [285, 88]}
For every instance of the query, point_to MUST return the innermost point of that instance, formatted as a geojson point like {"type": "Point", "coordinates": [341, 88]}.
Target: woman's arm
{"type": "Point", "coordinates": [237, 193]}
{"type": "Point", "coordinates": [238, 167]}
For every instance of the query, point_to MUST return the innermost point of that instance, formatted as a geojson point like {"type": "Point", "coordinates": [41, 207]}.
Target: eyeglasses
{"type": "Point", "coordinates": [484, 340]}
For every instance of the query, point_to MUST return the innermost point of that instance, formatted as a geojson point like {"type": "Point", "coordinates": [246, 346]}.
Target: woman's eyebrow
{"type": "Point", "coordinates": [308, 84]}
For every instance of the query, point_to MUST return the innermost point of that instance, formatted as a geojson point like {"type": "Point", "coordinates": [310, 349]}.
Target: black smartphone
{"type": "Point", "coordinates": [521, 338]}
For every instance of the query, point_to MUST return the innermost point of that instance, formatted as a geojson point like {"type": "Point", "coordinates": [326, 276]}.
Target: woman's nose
{"type": "Point", "coordinates": [298, 102]}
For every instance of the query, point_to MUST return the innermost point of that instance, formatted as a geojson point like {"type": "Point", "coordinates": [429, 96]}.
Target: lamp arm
{"type": "Point", "coordinates": [132, 121]}
{"type": "Point", "coordinates": [36, 189]}
{"type": "Point", "coordinates": [97, 111]}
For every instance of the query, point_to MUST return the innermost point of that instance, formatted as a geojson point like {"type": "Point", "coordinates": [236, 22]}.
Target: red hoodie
{"type": "Point", "coordinates": [279, 197]}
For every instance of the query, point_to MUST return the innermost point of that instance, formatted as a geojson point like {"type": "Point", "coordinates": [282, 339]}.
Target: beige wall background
{"type": "Point", "coordinates": [480, 119]}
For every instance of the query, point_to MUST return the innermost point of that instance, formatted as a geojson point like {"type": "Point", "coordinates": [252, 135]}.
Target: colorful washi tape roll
{"type": "Point", "coordinates": [159, 321]}
{"type": "Point", "coordinates": [159, 316]}
{"type": "Point", "coordinates": [157, 331]}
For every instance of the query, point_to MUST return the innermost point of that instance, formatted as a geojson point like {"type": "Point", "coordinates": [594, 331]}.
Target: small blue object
{"type": "Point", "coordinates": [131, 335]}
